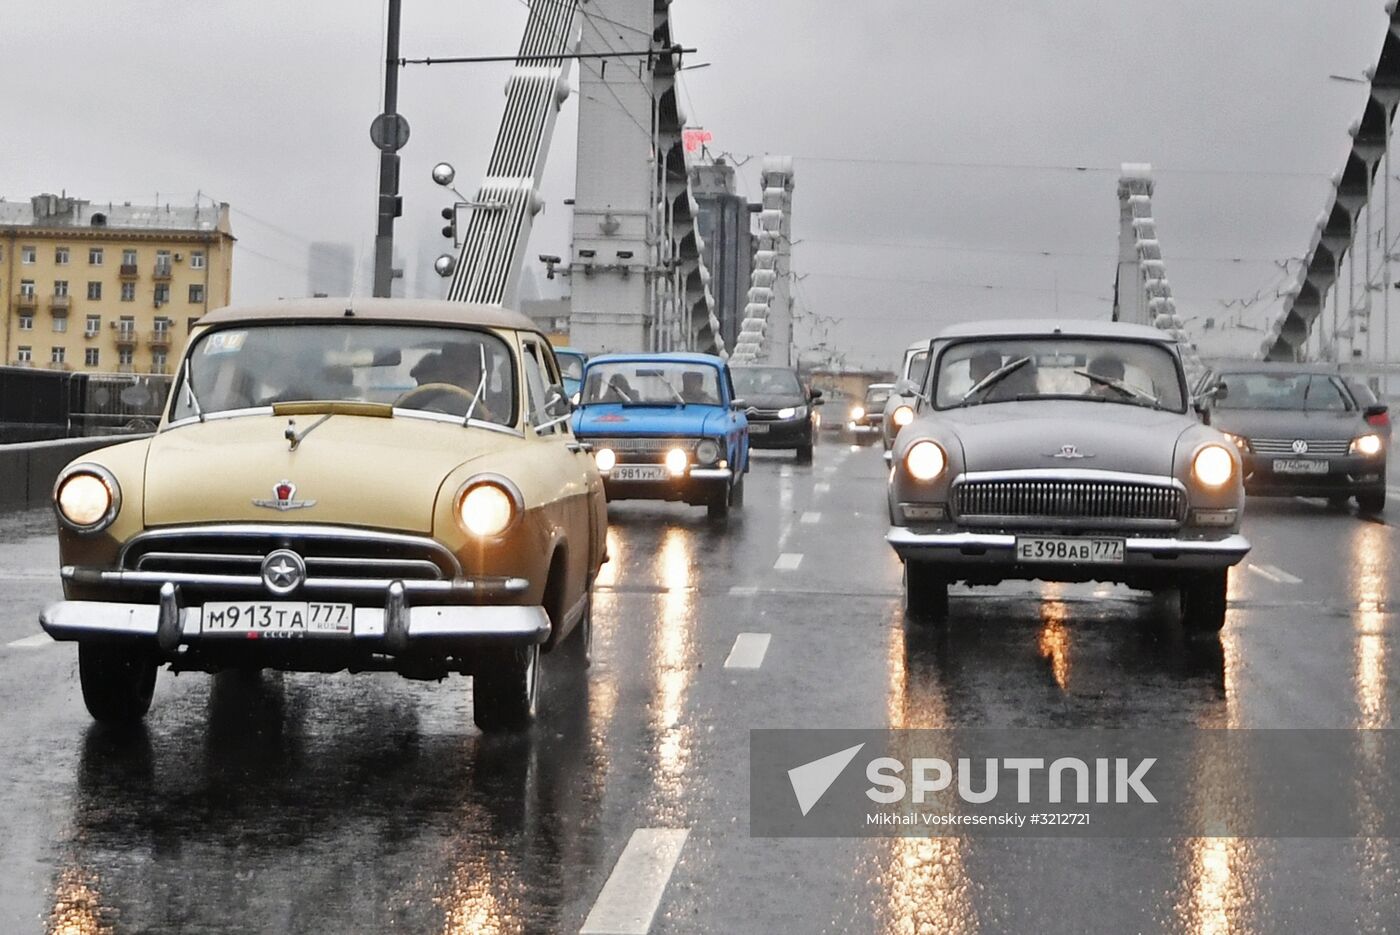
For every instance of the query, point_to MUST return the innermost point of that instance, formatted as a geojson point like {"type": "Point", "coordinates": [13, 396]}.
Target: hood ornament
{"type": "Point", "coordinates": [1069, 453]}
{"type": "Point", "coordinates": [284, 493]}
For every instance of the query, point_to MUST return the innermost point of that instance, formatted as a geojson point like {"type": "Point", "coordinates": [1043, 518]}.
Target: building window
{"type": "Point", "coordinates": [60, 324]}
{"type": "Point", "coordinates": [126, 326]}
{"type": "Point", "coordinates": [57, 355]}
{"type": "Point", "coordinates": [93, 325]}
{"type": "Point", "coordinates": [124, 356]}
{"type": "Point", "coordinates": [128, 292]}
{"type": "Point", "coordinates": [24, 354]}
{"type": "Point", "coordinates": [60, 256]}
{"type": "Point", "coordinates": [60, 288]}
{"type": "Point", "coordinates": [197, 259]}
{"type": "Point", "coordinates": [27, 255]}
{"type": "Point", "coordinates": [162, 262]}
{"type": "Point", "coordinates": [162, 293]}
{"type": "Point", "coordinates": [94, 256]}
{"type": "Point", "coordinates": [196, 294]}
{"type": "Point", "coordinates": [128, 258]}
{"type": "Point", "coordinates": [162, 326]}
{"type": "Point", "coordinates": [158, 362]}
{"type": "Point", "coordinates": [90, 357]}
{"type": "Point", "coordinates": [26, 288]}
{"type": "Point", "coordinates": [26, 323]}
{"type": "Point", "coordinates": [94, 291]}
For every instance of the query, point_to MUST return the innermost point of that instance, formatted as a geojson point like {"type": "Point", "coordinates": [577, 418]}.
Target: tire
{"type": "Point", "coordinates": [577, 649]}
{"type": "Point", "coordinates": [804, 453]}
{"type": "Point", "coordinates": [736, 493]}
{"type": "Point", "coordinates": [925, 592]}
{"type": "Point", "coordinates": [1371, 503]}
{"type": "Point", "coordinates": [506, 693]}
{"type": "Point", "coordinates": [718, 505]}
{"type": "Point", "coordinates": [1203, 601]}
{"type": "Point", "coordinates": [1337, 503]}
{"type": "Point", "coordinates": [117, 681]}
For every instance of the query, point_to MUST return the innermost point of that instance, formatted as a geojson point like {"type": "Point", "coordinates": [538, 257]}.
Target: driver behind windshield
{"type": "Point", "coordinates": [693, 388]}
{"type": "Point", "coordinates": [1108, 367]}
{"type": "Point", "coordinates": [448, 380]}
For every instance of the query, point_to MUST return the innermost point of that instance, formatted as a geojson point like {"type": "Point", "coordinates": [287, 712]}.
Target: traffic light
{"type": "Point", "coordinates": [450, 229]}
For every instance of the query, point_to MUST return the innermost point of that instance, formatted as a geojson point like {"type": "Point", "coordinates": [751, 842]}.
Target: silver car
{"type": "Point", "coordinates": [1063, 451]}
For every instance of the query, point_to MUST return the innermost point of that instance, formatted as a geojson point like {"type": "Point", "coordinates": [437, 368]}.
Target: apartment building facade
{"type": "Point", "coordinates": [108, 288]}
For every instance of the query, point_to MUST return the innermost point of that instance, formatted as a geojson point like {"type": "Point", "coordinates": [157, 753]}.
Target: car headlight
{"type": "Point", "coordinates": [676, 462]}
{"type": "Point", "coordinates": [1239, 441]}
{"type": "Point", "coordinates": [486, 509]}
{"type": "Point", "coordinates": [857, 413]}
{"type": "Point", "coordinates": [87, 498]}
{"type": "Point", "coordinates": [925, 460]}
{"type": "Point", "coordinates": [605, 458]}
{"type": "Point", "coordinates": [787, 412]}
{"type": "Point", "coordinates": [707, 452]}
{"type": "Point", "coordinates": [902, 415]}
{"type": "Point", "coordinates": [1213, 466]}
{"type": "Point", "coordinates": [1366, 445]}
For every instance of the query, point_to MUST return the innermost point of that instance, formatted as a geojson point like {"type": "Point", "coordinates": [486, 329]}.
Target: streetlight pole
{"type": "Point", "coordinates": [388, 162]}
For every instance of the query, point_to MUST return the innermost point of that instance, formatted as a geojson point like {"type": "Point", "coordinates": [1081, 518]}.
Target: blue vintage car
{"type": "Point", "coordinates": [571, 363]}
{"type": "Point", "coordinates": [665, 427]}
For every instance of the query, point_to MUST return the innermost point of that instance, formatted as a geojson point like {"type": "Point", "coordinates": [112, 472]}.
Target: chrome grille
{"type": "Point", "coordinates": [644, 445]}
{"type": "Point", "coordinates": [329, 554]}
{"type": "Point", "coordinates": [1324, 448]}
{"type": "Point", "coordinates": [1062, 499]}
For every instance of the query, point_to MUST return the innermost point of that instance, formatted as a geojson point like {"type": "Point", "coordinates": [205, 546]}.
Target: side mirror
{"type": "Point", "coordinates": [557, 403]}
{"type": "Point", "coordinates": [738, 404]}
{"type": "Point", "coordinates": [816, 394]}
{"type": "Point", "coordinates": [906, 388]}
{"type": "Point", "coordinates": [817, 399]}
{"type": "Point", "coordinates": [1202, 407]}
{"type": "Point", "coordinates": [1375, 410]}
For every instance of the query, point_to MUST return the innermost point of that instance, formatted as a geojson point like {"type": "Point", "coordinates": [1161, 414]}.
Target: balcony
{"type": "Point", "coordinates": [162, 271]}
{"type": "Point", "coordinates": [129, 271]}
{"type": "Point", "coordinates": [90, 333]}
{"type": "Point", "coordinates": [60, 304]}
{"type": "Point", "coordinates": [27, 300]}
{"type": "Point", "coordinates": [21, 363]}
{"type": "Point", "coordinates": [159, 338]}
{"type": "Point", "coordinates": [59, 365]}
{"type": "Point", "coordinates": [126, 336]}
{"type": "Point", "coordinates": [160, 368]}
{"type": "Point", "coordinates": [126, 368]}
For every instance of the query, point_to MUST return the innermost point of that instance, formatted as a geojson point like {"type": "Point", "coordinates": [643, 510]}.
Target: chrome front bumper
{"type": "Point", "coordinates": [1140, 553]}
{"type": "Point", "coordinates": [392, 629]}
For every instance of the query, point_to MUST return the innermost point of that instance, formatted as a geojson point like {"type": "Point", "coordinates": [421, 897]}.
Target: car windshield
{"type": "Point", "coordinates": [765, 381]}
{"type": "Point", "coordinates": [996, 370]}
{"type": "Point", "coordinates": [1301, 392]}
{"type": "Point", "coordinates": [877, 395]}
{"type": "Point", "coordinates": [430, 369]}
{"type": "Point", "coordinates": [651, 383]}
{"type": "Point", "coordinates": [571, 364]}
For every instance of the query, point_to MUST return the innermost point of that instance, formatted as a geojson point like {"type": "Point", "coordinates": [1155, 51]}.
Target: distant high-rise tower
{"type": "Point", "coordinates": [330, 268]}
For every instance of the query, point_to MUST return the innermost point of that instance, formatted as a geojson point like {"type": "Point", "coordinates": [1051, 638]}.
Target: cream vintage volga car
{"type": "Point", "coordinates": [1064, 451]}
{"type": "Point", "coordinates": [362, 485]}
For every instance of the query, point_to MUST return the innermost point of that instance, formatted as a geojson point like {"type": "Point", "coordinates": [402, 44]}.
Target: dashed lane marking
{"type": "Point", "coordinates": [633, 891]}
{"type": "Point", "coordinates": [821, 487]}
{"type": "Point", "coordinates": [810, 518]}
{"type": "Point", "coordinates": [1274, 573]}
{"type": "Point", "coordinates": [37, 641]}
{"type": "Point", "coordinates": [788, 561]}
{"type": "Point", "coordinates": [748, 651]}
{"type": "Point", "coordinates": [743, 590]}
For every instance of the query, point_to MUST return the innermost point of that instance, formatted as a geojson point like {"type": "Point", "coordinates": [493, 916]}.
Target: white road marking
{"type": "Point", "coordinates": [1274, 573]}
{"type": "Point", "coordinates": [1394, 491]}
{"type": "Point", "coordinates": [632, 893]}
{"type": "Point", "coordinates": [788, 561]}
{"type": "Point", "coordinates": [748, 652]}
{"type": "Point", "coordinates": [822, 487]}
{"type": "Point", "coordinates": [743, 590]}
{"type": "Point", "coordinates": [810, 518]}
{"type": "Point", "coordinates": [785, 471]}
{"type": "Point", "coordinates": [36, 641]}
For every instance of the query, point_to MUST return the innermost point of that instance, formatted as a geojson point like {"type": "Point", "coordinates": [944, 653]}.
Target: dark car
{"type": "Point", "coordinates": [1303, 429]}
{"type": "Point", "coordinates": [867, 418]}
{"type": "Point", "coordinates": [781, 410]}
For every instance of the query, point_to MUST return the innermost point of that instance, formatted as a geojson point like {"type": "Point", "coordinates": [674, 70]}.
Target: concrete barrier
{"type": "Point", "coordinates": [28, 470]}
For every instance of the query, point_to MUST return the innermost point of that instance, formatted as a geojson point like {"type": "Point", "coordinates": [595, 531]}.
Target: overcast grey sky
{"type": "Point", "coordinates": [935, 138]}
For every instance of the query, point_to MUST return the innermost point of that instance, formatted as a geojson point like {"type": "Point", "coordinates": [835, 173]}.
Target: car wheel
{"type": "Point", "coordinates": [717, 507]}
{"type": "Point", "coordinates": [1203, 599]}
{"type": "Point", "coordinates": [117, 681]}
{"type": "Point", "coordinates": [577, 649]}
{"type": "Point", "coordinates": [736, 493]}
{"type": "Point", "coordinates": [1371, 503]}
{"type": "Point", "coordinates": [505, 695]}
{"type": "Point", "coordinates": [925, 592]}
{"type": "Point", "coordinates": [804, 453]}
{"type": "Point", "coordinates": [1338, 503]}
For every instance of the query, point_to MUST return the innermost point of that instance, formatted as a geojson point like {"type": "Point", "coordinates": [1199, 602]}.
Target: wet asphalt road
{"type": "Point", "coordinates": [305, 803]}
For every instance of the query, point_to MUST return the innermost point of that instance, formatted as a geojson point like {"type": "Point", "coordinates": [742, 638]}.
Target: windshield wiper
{"type": "Point", "coordinates": [996, 376]}
{"type": "Point", "coordinates": [674, 392]}
{"type": "Point", "coordinates": [480, 388]}
{"type": "Point", "coordinates": [1120, 386]}
{"type": "Point", "coordinates": [189, 388]}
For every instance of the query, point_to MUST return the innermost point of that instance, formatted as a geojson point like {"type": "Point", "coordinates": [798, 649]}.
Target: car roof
{"type": "Point", "coordinates": [1047, 327]}
{"type": "Point", "coordinates": [408, 311]}
{"type": "Point", "coordinates": [678, 357]}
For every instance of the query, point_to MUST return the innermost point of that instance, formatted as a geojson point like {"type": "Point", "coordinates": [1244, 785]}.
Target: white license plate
{"type": "Point", "coordinates": [277, 619]}
{"type": "Point", "coordinates": [638, 472]}
{"type": "Point", "coordinates": [758, 428]}
{"type": "Point", "coordinates": [1063, 549]}
{"type": "Point", "coordinates": [1302, 467]}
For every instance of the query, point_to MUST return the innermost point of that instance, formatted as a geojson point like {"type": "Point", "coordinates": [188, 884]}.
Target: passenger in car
{"type": "Point", "coordinates": [693, 389]}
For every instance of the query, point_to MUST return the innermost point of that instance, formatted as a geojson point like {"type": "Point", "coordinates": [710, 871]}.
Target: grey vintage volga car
{"type": "Point", "coordinates": [1063, 451]}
